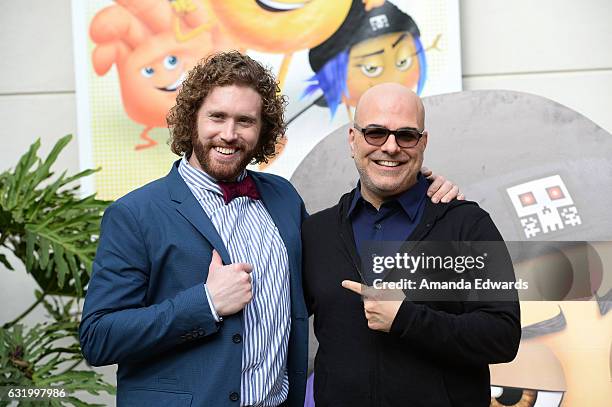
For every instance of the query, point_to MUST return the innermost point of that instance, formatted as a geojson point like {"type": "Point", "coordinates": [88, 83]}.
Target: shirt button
{"type": "Point", "coordinates": [378, 226]}
{"type": "Point", "coordinates": [234, 396]}
{"type": "Point", "coordinates": [237, 338]}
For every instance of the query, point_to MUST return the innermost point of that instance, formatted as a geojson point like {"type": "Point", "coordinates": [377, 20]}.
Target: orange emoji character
{"type": "Point", "coordinates": [138, 36]}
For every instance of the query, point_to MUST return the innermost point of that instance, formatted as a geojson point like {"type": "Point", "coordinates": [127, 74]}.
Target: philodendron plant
{"type": "Point", "coordinates": [53, 231]}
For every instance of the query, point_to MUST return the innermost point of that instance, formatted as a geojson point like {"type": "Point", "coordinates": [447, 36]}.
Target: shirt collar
{"type": "Point", "coordinates": [356, 199]}
{"type": "Point", "coordinates": [409, 200]}
{"type": "Point", "coordinates": [197, 178]}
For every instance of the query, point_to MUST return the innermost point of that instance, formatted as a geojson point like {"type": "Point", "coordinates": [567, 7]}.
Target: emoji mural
{"type": "Point", "coordinates": [131, 57]}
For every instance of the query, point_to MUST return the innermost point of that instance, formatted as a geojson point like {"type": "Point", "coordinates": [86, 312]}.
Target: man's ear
{"type": "Point", "coordinates": [351, 140]}
{"type": "Point", "coordinates": [424, 138]}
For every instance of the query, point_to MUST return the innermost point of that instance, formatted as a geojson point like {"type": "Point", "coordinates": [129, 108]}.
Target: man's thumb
{"type": "Point", "coordinates": [215, 262]}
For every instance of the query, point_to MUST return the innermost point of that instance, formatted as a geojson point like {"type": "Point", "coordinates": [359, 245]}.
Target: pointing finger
{"type": "Point", "coordinates": [353, 286]}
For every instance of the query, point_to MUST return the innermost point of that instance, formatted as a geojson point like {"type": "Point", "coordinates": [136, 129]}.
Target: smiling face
{"type": "Point", "coordinates": [387, 170]}
{"type": "Point", "coordinates": [151, 75]}
{"type": "Point", "coordinates": [388, 58]}
{"type": "Point", "coordinates": [165, 74]}
{"type": "Point", "coordinates": [281, 26]}
{"type": "Point", "coordinates": [228, 127]}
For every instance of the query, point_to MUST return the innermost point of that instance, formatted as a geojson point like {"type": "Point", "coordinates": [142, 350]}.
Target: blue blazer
{"type": "Point", "coordinates": [146, 309]}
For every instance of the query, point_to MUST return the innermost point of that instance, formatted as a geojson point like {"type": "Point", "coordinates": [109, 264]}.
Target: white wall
{"type": "Point", "coordinates": [559, 49]}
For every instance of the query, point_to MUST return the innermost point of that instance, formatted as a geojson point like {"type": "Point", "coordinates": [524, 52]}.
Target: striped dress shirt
{"type": "Point", "coordinates": [250, 236]}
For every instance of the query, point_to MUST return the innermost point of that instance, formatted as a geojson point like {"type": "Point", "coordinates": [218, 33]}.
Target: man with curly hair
{"type": "Point", "coordinates": [196, 289]}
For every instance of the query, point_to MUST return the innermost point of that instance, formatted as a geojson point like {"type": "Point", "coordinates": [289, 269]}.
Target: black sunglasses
{"type": "Point", "coordinates": [377, 135]}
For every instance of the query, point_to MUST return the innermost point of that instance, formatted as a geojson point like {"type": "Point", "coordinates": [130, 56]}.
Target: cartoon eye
{"type": "Point", "coordinates": [555, 193]}
{"type": "Point", "coordinates": [404, 63]}
{"type": "Point", "coordinates": [527, 199]}
{"type": "Point", "coordinates": [170, 62]}
{"type": "Point", "coordinates": [510, 396]}
{"type": "Point", "coordinates": [147, 71]}
{"type": "Point", "coordinates": [371, 71]}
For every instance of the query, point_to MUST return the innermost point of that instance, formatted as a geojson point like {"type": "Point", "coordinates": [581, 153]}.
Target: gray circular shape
{"type": "Point", "coordinates": [486, 142]}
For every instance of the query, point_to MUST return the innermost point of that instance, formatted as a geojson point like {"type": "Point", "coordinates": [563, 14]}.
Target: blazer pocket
{"type": "Point", "coordinates": [154, 398]}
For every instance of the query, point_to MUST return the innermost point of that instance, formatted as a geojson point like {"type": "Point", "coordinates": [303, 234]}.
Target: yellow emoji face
{"type": "Point", "coordinates": [581, 342]}
{"type": "Point", "coordinates": [389, 58]}
{"type": "Point", "coordinates": [535, 375]}
{"type": "Point", "coordinates": [576, 334]}
{"type": "Point", "coordinates": [280, 26]}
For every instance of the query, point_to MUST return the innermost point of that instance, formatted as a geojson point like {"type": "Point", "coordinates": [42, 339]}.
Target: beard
{"type": "Point", "coordinates": [385, 187]}
{"type": "Point", "coordinates": [222, 171]}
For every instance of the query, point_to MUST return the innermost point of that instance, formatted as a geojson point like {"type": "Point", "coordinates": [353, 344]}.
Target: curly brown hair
{"type": "Point", "coordinates": [226, 69]}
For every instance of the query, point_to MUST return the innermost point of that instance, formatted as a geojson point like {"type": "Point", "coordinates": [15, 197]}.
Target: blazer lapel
{"type": "Point", "coordinates": [191, 210]}
{"type": "Point", "coordinates": [347, 237]}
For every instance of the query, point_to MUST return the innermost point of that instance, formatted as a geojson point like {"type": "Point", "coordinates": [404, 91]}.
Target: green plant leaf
{"type": "Point", "coordinates": [5, 262]}
{"type": "Point", "coordinates": [43, 252]}
{"type": "Point", "coordinates": [30, 241]}
{"type": "Point", "coordinates": [54, 232]}
{"type": "Point", "coordinates": [38, 358]}
{"type": "Point", "coordinates": [21, 170]}
{"type": "Point", "coordinates": [42, 172]}
{"type": "Point", "coordinates": [62, 266]}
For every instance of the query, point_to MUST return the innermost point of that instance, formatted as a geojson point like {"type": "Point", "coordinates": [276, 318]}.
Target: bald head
{"type": "Point", "coordinates": [390, 97]}
{"type": "Point", "coordinates": [387, 169]}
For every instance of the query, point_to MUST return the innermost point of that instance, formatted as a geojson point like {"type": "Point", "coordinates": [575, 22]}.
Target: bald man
{"type": "Point", "coordinates": [377, 351]}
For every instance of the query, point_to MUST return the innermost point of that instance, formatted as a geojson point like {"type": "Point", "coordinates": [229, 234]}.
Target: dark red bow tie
{"type": "Point", "coordinates": [246, 187]}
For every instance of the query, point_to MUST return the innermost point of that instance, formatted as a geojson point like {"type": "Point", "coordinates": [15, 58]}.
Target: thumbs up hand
{"type": "Point", "coordinates": [229, 286]}
{"type": "Point", "coordinates": [380, 306]}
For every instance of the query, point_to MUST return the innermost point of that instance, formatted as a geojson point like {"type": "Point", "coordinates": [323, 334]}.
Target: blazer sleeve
{"type": "Point", "coordinates": [117, 324]}
{"type": "Point", "coordinates": [485, 333]}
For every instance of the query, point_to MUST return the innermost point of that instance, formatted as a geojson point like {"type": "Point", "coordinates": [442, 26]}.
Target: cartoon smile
{"type": "Point", "coordinates": [175, 85]}
{"type": "Point", "coordinates": [276, 6]}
